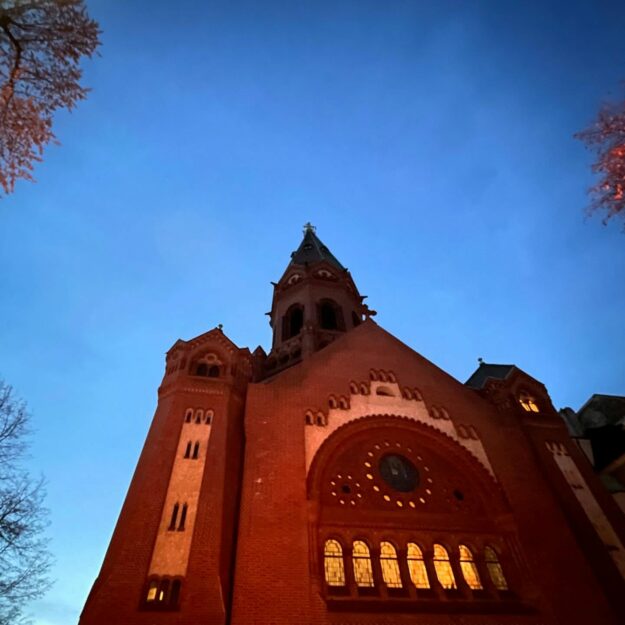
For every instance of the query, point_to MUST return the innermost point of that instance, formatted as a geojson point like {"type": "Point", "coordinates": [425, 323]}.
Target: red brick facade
{"type": "Point", "coordinates": [342, 437]}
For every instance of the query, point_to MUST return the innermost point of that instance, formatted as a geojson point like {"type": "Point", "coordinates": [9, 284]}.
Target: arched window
{"type": "Point", "coordinates": [416, 566]}
{"type": "Point", "coordinates": [196, 450]}
{"type": "Point", "coordinates": [152, 590]}
{"type": "Point", "coordinates": [213, 371]}
{"type": "Point", "coordinates": [494, 569]}
{"type": "Point", "coordinates": [202, 369]}
{"type": "Point", "coordinates": [333, 563]}
{"type": "Point", "coordinates": [363, 573]}
{"type": "Point", "coordinates": [174, 517]}
{"type": "Point", "coordinates": [188, 415]}
{"type": "Point", "coordinates": [199, 414]}
{"type": "Point", "coordinates": [442, 566]}
{"type": "Point", "coordinates": [468, 568]}
{"type": "Point", "coordinates": [528, 402]}
{"type": "Point", "coordinates": [330, 316]}
{"type": "Point", "coordinates": [187, 451]}
{"type": "Point", "coordinates": [292, 322]}
{"type": "Point", "coordinates": [389, 565]}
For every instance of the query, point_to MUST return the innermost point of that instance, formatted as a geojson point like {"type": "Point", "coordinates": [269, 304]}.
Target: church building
{"type": "Point", "coordinates": [344, 479]}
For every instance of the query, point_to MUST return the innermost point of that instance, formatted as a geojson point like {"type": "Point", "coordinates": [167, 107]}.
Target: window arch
{"type": "Point", "coordinates": [292, 322]}
{"type": "Point", "coordinates": [213, 371]}
{"type": "Point", "coordinates": [333, 563]}
{"type": "Point", "coordinates": [468, 568]}
{"type": "Point", "coordinates": [389, 565]}
{"type": "Point", "coordinates": [494, 569]}
{"type": "Point", "coordinates": [416, 567]}
{"type": "Point", "coordinates": [188, 415]}
{"type": "Point", "coordinates": [330, 315]}
{"type": "Point", "coordinates": [201, 369]}
{"type": "Point", "coordinates": [363, 573]}
{"type": "Point", "coordinates": [443, 569]}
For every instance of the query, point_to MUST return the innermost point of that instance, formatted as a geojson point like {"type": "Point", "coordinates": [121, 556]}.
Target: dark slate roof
{"type": "Point", "coordinates": [312, 250]}
{"type": "Point", "coordinates": [602, 410]}
{"type": "Point", "coordinates": [485, 371]}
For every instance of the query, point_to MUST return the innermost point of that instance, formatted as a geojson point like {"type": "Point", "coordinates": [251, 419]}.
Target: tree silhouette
{"type": "Point", "coordinates": [41, 44]}
{"type": "Point", "coordinates": [606, 137]}
{"type": "Point", "coordinates": [24, 558]}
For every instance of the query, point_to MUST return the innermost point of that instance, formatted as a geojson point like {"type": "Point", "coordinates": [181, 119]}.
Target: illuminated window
{"type": "Point", "coordinates": [468, 568]}
{"type": "Point", "coordinates": [494, 569]}
{"type": "Point", "coordinates": [389, 565]}
{"type": "Point", "coordinates": [152, 590]}
{"type": "Point", "coordinates": [528, 402]}
{"type": "Point", "coordinates": [363, 573]}
{"type": "Point", "coordinates": [442, 566]}
{"type": "Point", "coordinates": [416, 566]}
{"type": "Point", "coordinates": [163, 590]}
{"type": "Point", "coordinates": [333, 563]}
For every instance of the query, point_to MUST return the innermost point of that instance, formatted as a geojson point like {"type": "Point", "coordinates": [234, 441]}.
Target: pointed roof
{"type": "Point", "coordinates": [312, 250]}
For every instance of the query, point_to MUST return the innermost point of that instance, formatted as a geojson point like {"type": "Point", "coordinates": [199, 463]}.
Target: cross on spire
{"type": "Point", "coordinates": [308, 227]}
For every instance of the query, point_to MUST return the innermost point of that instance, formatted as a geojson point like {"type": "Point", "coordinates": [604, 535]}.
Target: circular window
{"type": "Point", "coordinates": [399, 473]}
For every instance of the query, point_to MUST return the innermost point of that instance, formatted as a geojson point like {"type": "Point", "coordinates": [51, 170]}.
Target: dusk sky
{"type": "Point", "coordinates": [430, 143]}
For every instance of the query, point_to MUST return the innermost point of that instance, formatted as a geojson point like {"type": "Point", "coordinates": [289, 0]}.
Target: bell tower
{"type": "Point", "coordinates": [314, 302]}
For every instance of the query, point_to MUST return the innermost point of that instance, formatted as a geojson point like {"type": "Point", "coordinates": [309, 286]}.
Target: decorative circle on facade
{"type": "Point", "coordinates": [399, 473]}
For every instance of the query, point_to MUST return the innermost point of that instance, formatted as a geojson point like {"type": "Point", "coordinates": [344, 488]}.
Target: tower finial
{"type": "Point", "coordinates": [308, 227]}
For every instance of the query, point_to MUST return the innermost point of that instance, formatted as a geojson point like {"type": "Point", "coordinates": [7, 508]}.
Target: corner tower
{"type": "Point", "coordinates": [314, 302]}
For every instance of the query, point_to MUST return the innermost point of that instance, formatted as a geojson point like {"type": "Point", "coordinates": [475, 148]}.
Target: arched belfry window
{"type": "Point", "coordinates": [330, 315]}
{"type": "Point", "coordinates": [443, 569]}
{"type": "Point", "coordinates": [494, 569]}
{"type": "Point", "coordinates": [528, 402]}
{"type": "Point", "coordinates": [333, 563]}
{"type": "Point", "coordinates": [416, 567]}
{"type": "Point", "coordinates": [363, 572]}
{"type": "Point", "coordinates": [468, 568]}
{"type": "Point", "coordinates": [292, 322]}
{"type": "Point", "coordinates": [389, 565]}
{"type": "Point", "coordinates": [202, 369]}
{"type": "Point", "coordinates": [213, 371]}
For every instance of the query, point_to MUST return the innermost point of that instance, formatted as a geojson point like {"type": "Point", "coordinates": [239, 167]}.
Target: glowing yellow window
{"type": "Point", "coordinates": [468, 568]}
{"type": "Point", "coordinates": [528, 402]}
{"type": "Point", "coordinates": [416, 566]}
{"type": "Point", "coordinates": [442, 566]}
{"type": "Point", "coordinates": [363, 573]}
{"type": "Point", "coordinates": [389, 565]}
{"type": "Point", "coordinates": [494, 569]}
{"type": "Point", "coordinates": [152, 589]}
{"type": "Point", "coordinates": [333, 563]}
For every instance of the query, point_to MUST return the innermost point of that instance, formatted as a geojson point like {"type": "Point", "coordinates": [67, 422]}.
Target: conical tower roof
{"type": "Point", "coordinates": [312, 250]}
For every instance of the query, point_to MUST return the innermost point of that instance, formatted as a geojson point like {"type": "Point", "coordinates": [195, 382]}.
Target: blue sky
{"type": "Point", "coordinates": [429, 142]}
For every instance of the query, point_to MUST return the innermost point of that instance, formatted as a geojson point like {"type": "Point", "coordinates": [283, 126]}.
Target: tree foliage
{"type": "Point", "coordinates": [24, 558]}
{"type": "Point", "coordinates": [41, 44]}
{"type": "Point", "coordinates": [606, 137]}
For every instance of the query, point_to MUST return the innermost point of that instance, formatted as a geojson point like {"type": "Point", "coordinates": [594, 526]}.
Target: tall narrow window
{"type": "Point", "coordinates": [174, 517]}
{"type": "Point", "coordinates": [187, 451]}
{"type": "Point", "coordinates": [363, 573]}
{"type": "Point", "coordinates": [152, 590]}
{"type": "Point", "coordinates": [196, 450]}
{"type": "Point", "coordinates": [202, 369]}
{"type": "Point", "coordinates": [329, 316]}
{"type": "Point", "coordinates": [163, 590]}
{"type": "Point", "coordinates": [292, 322]}
{"type": "Point", "coordinates": [468, 568]}
{"type": "Point", "coordinates": [183, 517]}
{"type": "Point", "coordinates": [333, 563]}
{"type": "Point", "coordinates": [175, 593]}
{"type": "Point", "coordinates": [494, 569]}
{"type": "Point", "coordinates": [443, 569]}
{"type": "Point", "coordinates": [389, 565]}
{"type": "Point", "coordinates": [188, 416]}
{"type": "Point", "coordinates": [416, 566]}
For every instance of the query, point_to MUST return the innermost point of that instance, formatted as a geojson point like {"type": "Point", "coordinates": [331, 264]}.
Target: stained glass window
{"type": "Point", "coordinates": [389, 565]}
{"type": "Point", "coordinates": [363, 573]}
{"type": "Point", "coordinates": [494, 569]}
{"type": "Point", "coordinates": [443, 569]}
{"type": "Point", "coordinates": [333, 563]}
{"type": "Point", "coordinates": [468, 568]}
{"type": "Point", "coordinates": [416, 566]}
